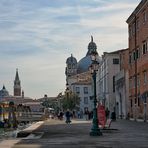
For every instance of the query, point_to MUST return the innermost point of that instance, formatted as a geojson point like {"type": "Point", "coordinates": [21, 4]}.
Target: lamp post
{"type": "Point", "coordinates": [67, 90]}
{"type": "Point", "coordinates": [60, 98]}
{"type": "Point", "coordinates": [95, 131]}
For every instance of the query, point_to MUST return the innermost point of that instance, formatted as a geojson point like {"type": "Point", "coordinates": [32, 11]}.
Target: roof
{"type": "Point", "coordinates": [115, 52]}
{"type": "Point", "coordinates": [81, 83]}
{"type": "Point", "coordinates": [71, 60]}
{"type": "Point", "coordinates": [138, 8]}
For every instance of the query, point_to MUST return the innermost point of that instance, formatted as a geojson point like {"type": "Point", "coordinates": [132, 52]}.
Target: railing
{"type": "Point", "coordinates": [30, 116]}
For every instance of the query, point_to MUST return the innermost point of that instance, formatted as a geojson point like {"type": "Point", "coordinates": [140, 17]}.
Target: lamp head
{"type": "Point", "coordinates": [94, 55]}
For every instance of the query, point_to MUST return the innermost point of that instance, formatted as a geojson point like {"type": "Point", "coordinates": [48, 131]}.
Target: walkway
{"type": "Point", "coordinates": [57, 134]}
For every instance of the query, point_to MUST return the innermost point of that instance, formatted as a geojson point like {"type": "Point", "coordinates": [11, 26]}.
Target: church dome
{"type": "Point", "coordinates": [4, 92]}
{"type": "Point", "coordinates": [85, 62]}
{"type": "Point", "coordinates": [71, 60]}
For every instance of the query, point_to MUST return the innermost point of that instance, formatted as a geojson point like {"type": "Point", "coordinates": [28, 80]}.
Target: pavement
{"type": "Point", "coordinates": [57, 134]}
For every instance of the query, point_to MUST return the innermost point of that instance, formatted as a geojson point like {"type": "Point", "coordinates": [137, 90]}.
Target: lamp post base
{"type": "Point", "coordinates": [95, 132]}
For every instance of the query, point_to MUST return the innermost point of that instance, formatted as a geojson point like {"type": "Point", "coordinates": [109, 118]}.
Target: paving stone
{"type": "Point", "coordinates": [57, 134]}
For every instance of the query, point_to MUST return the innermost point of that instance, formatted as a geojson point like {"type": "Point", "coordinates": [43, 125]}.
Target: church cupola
{"type": "Point", "coordinates": [92, 47]}
{"type": "Point", "coordinates": [17, 85]}
{"type": "Point", "coordinates": [71, 66]}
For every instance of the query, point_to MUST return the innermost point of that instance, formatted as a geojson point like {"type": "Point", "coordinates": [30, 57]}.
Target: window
{"type": "Point", "coordinates": [130, 58]}
{"type": "Point", "coordinates": [145, 77]}
{"type": "Point", "coordinates": [85, 100]}
{"type": "Point", "coordinates": [77, 90]}
{"type": "Point", "coordinates": [138, 101]}
{"type": "Point", "coordinates": [73, 65]}
{"type": "Point", "coordinates": [137, 53]}
{"type": "Point", "coordinates": [144, 17]}
{"type": "Point", "coordinates": [144, 47]}
{"type": "Point", "coordinates": [138, 80]}
{"type": "Point", "coordinates": [69, 66]}
{"type": "Point", "coordinates": [130, 83]}
{"type": "Point", "coordinates": [85, 90]}
{"type": "Point", "coordinates": [135, 100]}
{"type": "Point", "coordinates": [116, 61]}
{"type": "Point", "coordinates": [134, 55]}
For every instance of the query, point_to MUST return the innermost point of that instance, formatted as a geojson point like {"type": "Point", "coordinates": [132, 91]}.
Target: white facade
{"type": "Point", "coordinates": [109, 67]}
{"type": "Point", "coordinates": [122, 85]}
{"type": "Point", "coordinates": [81, 85]}
{"type": "Point", "coordinates": [84, 92]}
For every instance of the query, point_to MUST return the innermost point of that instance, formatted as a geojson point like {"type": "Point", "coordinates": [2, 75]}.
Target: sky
{"type": "Point", "coordinates": [37, 36]}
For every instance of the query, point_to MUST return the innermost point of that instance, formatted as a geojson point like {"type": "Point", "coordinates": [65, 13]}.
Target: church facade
{"type": "Point", "coordinates": [17, 85]}
{"type": "Point", "coordinates": [18, 95]}
{"type": "Point", "coordinates": [79, 79]}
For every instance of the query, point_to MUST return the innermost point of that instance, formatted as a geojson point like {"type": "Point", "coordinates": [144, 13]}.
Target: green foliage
{"type": "Point", "coordinates": [70, 101]}
{"type": "Point", "coordinates": [48, 103]}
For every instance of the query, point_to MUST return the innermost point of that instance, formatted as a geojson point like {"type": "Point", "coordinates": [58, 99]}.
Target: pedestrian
{"type": "Point", "coordinates": [113, 116]}
{"type": "Point", "coordinates": [86, 113]}
{"type": "Point", "coordinates": [78, 114]}
{"type": "Point", "coordinates": [61, 115]}
{"type": "Point", "coordinates": [73, 114]}
{"type": "Point", "coordinates": [81, 114]}
{"type": "Point", "coordinates": [107, 112]}
{"type": "Point", "coordinates": [68, 115]}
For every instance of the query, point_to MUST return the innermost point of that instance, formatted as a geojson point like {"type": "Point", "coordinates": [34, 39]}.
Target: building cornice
{"type": "Point", "coordinates": [136, 11]}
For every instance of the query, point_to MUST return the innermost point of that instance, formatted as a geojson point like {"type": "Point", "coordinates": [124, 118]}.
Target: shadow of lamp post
{"type": "Point", "coordinates": [95, 131]}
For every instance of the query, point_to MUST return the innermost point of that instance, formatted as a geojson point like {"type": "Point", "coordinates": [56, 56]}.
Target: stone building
{"type": "Point", "coordinates": [3, 92]}
{"type": "Point", "coordinates": [78, 77]}
{"type": "Point", "coordinates": [122, 86]}
{"type": "Point", "coordinates": [17, 85]}
{"type": "Point", "coordinates": [108, 68]}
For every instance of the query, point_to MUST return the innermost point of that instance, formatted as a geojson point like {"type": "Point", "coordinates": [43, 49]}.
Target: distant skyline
{"type": "Point", "coordinates": [37, 36]}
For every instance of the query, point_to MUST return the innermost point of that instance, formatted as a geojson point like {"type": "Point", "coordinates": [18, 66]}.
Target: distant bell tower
{"type": "Point", "coordinates": [17, 85]}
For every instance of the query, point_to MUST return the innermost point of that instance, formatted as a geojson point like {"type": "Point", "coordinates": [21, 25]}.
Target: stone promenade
{"type": "Point", "coordinates": [57, 134]}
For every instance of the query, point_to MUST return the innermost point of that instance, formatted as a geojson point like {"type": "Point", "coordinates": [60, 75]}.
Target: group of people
{"type": "Point", "coordinates": [75, 114]}
{"type": "Point", "coordinates": [88, 115]}
{"type": "Point", "coordinates": [68, 115]}
{"type": "Point", "coordinates": [112, 115]}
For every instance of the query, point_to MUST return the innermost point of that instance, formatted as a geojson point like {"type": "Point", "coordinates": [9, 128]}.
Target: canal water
{"type": "Point", "coordinates": [11, 133]}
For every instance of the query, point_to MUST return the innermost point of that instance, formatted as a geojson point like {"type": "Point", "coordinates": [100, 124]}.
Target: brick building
{"type": "Point", "coordinates": [138, 60]}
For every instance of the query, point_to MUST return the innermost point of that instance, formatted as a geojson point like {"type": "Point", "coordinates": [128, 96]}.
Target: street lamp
{"type": "Point", "coordinates": [67, 90]}
{"type": "Point", "coordinates": [95, 131]}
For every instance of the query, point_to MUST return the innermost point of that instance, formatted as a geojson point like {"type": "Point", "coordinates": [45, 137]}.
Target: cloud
{"type": "Point", "coordinates": [37, 37]}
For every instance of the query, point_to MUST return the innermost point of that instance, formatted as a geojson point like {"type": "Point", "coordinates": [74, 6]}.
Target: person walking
{"type": "Point", "coordinates": [68, 115]}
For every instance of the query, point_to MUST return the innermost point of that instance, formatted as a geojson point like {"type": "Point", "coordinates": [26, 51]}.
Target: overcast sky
{"type": "Point", "coordinates": [37, 36]}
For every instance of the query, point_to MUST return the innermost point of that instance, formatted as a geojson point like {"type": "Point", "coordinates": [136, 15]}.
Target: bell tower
{"type": "Point", "coordinates": [17, 85]}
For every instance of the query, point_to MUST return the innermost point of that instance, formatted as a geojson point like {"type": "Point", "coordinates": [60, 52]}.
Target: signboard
{"type": "Point", "coordinates": [101, 115]}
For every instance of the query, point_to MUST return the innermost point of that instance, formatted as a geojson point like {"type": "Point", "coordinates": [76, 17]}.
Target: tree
{"type": "Point", "coordinates": [70, 101]}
